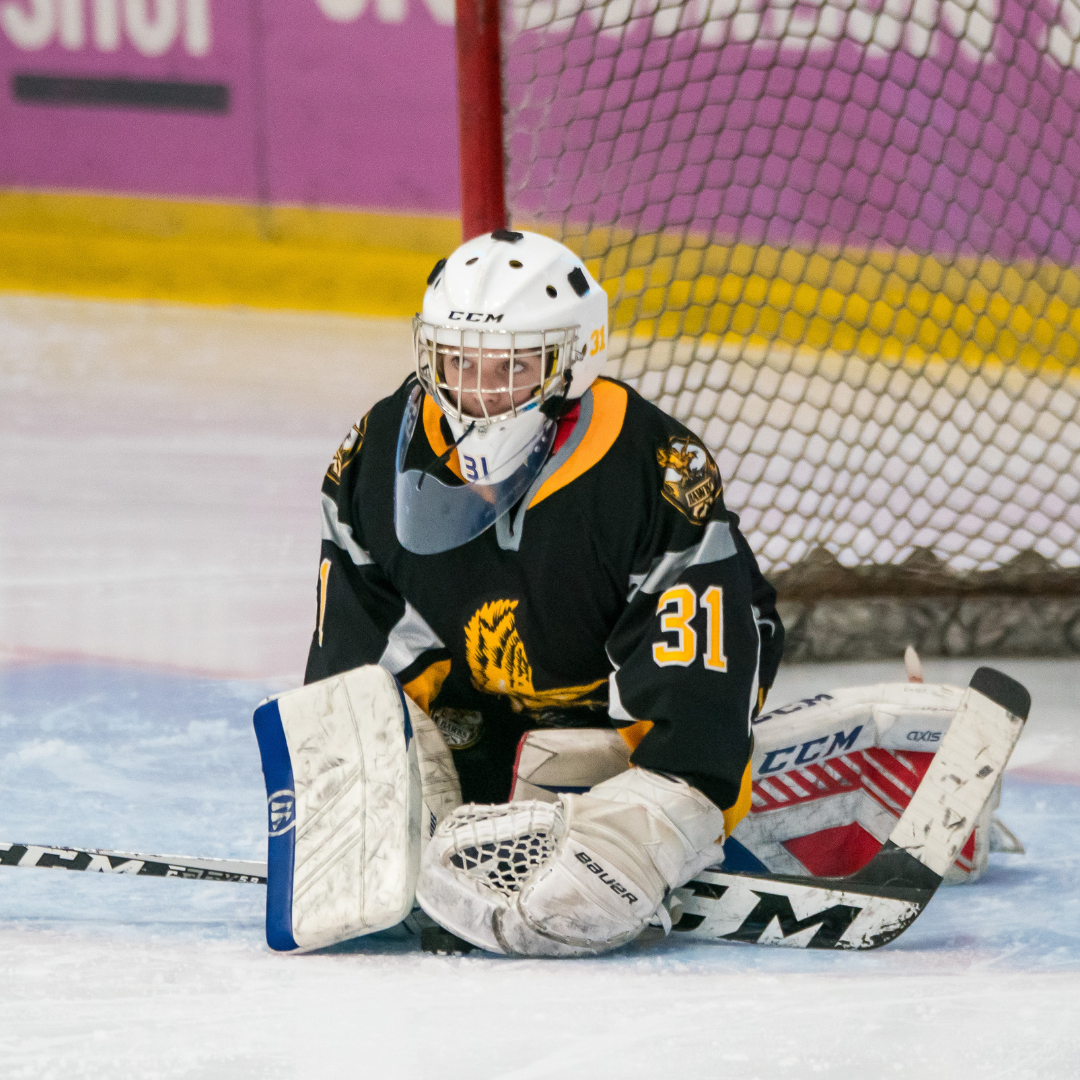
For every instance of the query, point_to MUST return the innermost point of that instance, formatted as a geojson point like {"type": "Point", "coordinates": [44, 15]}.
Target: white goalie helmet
{"type": "Point", "coordinates": [513, 329]}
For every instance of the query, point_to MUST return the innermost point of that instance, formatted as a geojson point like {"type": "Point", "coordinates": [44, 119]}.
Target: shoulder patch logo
{"type": "Point", "coordinates": [498, 664]}
{"type": "Point", "coordinates": [691, 478]}
{"type": "Point", "coordinates": [347, 451]}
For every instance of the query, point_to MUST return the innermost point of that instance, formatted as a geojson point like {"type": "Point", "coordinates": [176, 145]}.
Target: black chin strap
{"type": "Point", "coordinates": [443, 457]}
{"type": "Point", "coordinates": [557, 407]}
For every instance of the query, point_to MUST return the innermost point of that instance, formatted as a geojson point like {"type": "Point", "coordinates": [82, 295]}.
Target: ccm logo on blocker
{"type": "Point", "coordinates": [811, 750]}
{"type": "Point", "coordinates": [605, 877]}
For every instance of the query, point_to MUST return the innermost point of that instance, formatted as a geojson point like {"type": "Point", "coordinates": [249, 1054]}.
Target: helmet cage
{"type": "Point", "coordinates": [434, 344]}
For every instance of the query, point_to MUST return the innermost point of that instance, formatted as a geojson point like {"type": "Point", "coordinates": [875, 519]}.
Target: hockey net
{"type": "Point", "coordinates": [840, 242]}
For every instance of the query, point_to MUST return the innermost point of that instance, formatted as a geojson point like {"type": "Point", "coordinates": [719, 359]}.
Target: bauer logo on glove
{"type": "Point", "coordinates": [595, 868]}
{"type": "Point", "coordinates": [577, 877]}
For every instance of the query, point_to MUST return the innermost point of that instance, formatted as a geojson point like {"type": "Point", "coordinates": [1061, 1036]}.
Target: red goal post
{"type": "Point", "coordinates": [841, 241]}
{"type": "Point", "coordinates": [480, 116]}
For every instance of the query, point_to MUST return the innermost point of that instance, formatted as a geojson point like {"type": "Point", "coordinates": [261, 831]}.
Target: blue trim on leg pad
{"type": "Point", "coordinates": [404, 713]}
{"type": "Point", "coordinates": [281, 831]}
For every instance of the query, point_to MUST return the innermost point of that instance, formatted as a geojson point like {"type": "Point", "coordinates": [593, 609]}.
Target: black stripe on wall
{"type": "Point", "coordinates": [121, 93]}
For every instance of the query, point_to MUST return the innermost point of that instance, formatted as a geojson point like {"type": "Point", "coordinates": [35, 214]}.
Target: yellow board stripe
{"type": "Point", "coordinates": [888, 305]}
{"type": "Point", "coordinates": [893, 306]}
{"type": "Point", "coordinates": [121, 247]}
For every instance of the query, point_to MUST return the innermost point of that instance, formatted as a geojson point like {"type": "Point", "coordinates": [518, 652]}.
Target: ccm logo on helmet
{"type": "Point", "coordinates": [595, 868]}
{"type": "Point", "coordinates": [475, 316]}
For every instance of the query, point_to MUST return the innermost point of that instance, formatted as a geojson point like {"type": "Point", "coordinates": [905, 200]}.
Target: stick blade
{"type": "Point", "coordinates": [1002, 690]}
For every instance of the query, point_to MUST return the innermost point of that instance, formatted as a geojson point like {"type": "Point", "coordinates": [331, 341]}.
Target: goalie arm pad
{"type": "Point", "coordinates": [556, 760]}
{"type": "Point", "coordinates": [577, 878]}
{"type": "Point", "coordinates": [361, 618]}
{"type": "Point", "coordinates": [698, 632]}
{"type": "Point", "coordinates": [682, 825]}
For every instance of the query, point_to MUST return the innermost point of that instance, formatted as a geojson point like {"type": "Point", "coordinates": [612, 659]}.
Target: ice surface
{"type": "Point", "coordinates": [158, 535]}
{"type": "Point", "coordinates": [160, 469]}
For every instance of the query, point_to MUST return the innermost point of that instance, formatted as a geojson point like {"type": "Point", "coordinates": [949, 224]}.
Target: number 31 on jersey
{"type": "Point", "coordinates": [677, 607]}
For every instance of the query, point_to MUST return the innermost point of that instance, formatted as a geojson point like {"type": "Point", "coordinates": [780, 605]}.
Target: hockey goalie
{"type": "Point", "coordinates": [533, 700]}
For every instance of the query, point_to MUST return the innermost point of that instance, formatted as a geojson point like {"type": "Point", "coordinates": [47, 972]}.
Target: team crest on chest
{"type": "Point", "coordinates": [347, 451]}
{"type": "Point", "coordinates": [691, 478]}
{"type": "Point", "coordinates": [498, 663]}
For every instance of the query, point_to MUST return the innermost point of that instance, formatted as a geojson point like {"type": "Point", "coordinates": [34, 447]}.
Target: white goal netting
{"type": "Point", "coordinates": [841, 242]}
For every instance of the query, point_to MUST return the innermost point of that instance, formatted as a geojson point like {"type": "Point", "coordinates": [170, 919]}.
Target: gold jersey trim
{"type": "Point", "coordinates": [432, 416]}
{"type": "Point", "coordinates": [424, 689]}
{"type": "Point", "coordinates": [735, 813]}
{"type": "Point", "coordinates": [609, 411]}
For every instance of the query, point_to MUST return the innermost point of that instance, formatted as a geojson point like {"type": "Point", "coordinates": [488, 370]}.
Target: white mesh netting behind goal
{"type": "Point", "coordinates": [840, 241]}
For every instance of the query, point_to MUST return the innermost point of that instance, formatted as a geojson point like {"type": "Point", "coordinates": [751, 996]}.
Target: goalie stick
{"type": "Point", "coordinates": [876, 904]}
{"type": "Point", "coordinates": [865, 910]}
{"type": "Point", "coordinates": [121, 862]}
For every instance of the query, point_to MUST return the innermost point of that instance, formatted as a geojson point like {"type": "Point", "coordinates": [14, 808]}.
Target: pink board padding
{"type": "Point", "coordinates": [940, 144]}
{"type": "Point", "coordinates": [353, 114]}
{"type": "Point", "coordinates": [361, 113]}
{"type": "Point", "coordinates": [128, 150]}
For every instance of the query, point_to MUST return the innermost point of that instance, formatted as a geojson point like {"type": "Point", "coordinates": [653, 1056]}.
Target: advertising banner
{"type": "Point", "coordinates": [315, 102]}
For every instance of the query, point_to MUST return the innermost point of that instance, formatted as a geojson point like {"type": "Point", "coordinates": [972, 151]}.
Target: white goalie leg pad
{"type": "Point", "coordinates": [439, 784]}
{"type": "Point", "coordinates": [575, 878]}
{"type": "Point", "coordinates": [551, 761]}
{"type": "Point", "coordinates": [344, 798]}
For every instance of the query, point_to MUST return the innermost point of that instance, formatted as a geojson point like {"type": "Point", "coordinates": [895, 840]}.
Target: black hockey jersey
{"type": "Point", "coordinates": [619, 590]}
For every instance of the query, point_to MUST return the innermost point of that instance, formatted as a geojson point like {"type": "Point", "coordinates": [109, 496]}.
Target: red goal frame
{"type": "Point", "coordinates": [480, 117]}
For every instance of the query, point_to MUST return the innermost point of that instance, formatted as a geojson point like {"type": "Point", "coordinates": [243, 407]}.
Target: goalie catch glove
{"type": "Point", "coordinates": [577, 877]}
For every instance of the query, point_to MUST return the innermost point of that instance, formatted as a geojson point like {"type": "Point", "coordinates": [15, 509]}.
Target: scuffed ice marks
{"type": "Point", "coordinates": [114, 757]}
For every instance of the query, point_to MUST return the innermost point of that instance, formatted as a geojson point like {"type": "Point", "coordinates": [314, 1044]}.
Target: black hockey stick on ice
{"type": "Point", "coordinates": [878, 903]}
{"type": "Point", "coordinates": [121, 862]}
